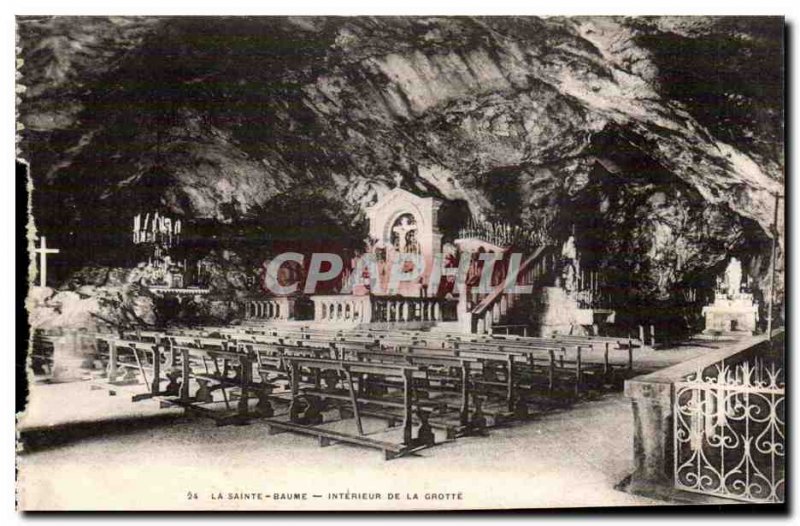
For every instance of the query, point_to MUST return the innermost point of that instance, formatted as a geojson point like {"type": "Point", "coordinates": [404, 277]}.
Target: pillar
{"type": "Point", "coordinates": [652, 435]}
{"type": "Point", "coordinates": [69, 353]}
{"type": "Point", "coordinates": [366, 309]}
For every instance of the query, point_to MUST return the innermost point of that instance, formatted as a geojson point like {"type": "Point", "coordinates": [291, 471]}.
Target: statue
{"type": "Point", "coordinates": [732, 309]}
{"type": "Point", "coordinates": [569, 251]}
{"type": "Point", "coordinates": [569, 260]}
{"type": "Point", "coordinates": [569, 277]}
{"type": "Point", "coordinates": [732, 283]}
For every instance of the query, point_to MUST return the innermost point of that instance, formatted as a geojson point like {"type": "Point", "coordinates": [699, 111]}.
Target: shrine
{"type": "Point", "coordinates": [403, 223]}
{"type": "Point", "coordinates": [733, 309]}
{"type": "Point", "coordinates": [165, 273]}
{"type": "Point", "coordinates": [403, 230]}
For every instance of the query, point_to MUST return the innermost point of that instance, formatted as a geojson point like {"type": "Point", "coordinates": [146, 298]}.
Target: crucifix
{"type": "Point", "coordinates": [402, 231]}
{"type": "Point", "coordinates": [43, 251]}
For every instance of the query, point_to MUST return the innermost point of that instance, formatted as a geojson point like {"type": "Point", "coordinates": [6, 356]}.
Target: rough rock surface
{"type": "Point", "coordinates": [661, 138]}
{"type": "Point", "coordinates": [90, 307]}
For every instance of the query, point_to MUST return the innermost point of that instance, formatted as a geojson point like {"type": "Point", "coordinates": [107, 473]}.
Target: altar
{"type": "Point", "coordinates": [733, 309]}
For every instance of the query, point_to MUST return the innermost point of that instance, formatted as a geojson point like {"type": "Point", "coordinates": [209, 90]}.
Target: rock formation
{"type": "Point", "coordinates": [659, 139]}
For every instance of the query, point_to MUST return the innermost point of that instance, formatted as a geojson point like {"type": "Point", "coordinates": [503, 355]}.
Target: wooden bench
{"type": "Point", "coordinates": [42, 348]}
{"type": "Point", "coordinates": [327, 436]}
{"type": "Point", "coordinates": [352, 370]}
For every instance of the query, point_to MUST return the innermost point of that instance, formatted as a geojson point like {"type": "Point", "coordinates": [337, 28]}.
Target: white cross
{"type": "Point", "coordinates": [43, 251]}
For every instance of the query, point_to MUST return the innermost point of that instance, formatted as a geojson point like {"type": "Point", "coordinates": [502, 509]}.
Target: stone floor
{"type": "Point", "coordinates": [95, 451]}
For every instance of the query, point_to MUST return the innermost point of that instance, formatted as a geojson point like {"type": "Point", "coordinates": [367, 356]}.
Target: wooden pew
{"type": "Point", "coordinates": [195, 352]}
{"type": "Point", "coordinates": [42, 349]}
{"type": "Point", "coordinates": [352, 371]}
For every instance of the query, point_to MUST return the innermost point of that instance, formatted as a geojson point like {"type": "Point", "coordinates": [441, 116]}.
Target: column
{"type": "Point", "coordinates": [652, 434]}
{"type": "Point", "coordinates": [366, 309]}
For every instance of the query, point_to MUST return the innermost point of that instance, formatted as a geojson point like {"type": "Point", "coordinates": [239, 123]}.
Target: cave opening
{"type": "Point", "coordinates": [453, 215]}
{"type": "Point", "coordinates": [656, 244]}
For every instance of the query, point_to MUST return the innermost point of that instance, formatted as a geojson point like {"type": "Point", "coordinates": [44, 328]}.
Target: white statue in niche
{"type": "Point", "coordinates": [569, 259]}
{"type": "Point", "coordinates": [732, 282]}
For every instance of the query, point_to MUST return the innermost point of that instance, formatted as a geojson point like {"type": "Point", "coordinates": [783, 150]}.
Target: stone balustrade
{"type": "Point", "coordinates": [404, 309]}
{"type": "Point", "coordinates": [270, 309]}
{"type": "Point", "coordinates": [342, 308]}
{"type": "Point", "coordinates": [370, 308]}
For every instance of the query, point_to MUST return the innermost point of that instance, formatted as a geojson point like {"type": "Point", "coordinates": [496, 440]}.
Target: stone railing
{"type": "Point", "coordinates": [405, 309]}
{"type": "Point", "coordinates": [342, 308]}
{"type": "Point", "coordinates": [383, 309]}
{"type": "Point", "coordinates": [492, 307]}
{"type": "Point", "coordinates": [652, 401]}
{"type": "Point", "coordinates": [270, 309]}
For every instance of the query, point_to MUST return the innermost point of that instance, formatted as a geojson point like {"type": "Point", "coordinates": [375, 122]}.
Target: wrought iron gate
{"type": "Point", "coordinates": [729, 432]}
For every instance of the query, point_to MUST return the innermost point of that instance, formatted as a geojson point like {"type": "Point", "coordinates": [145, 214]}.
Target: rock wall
{"type": "Point", "coordinates": [226, 122]}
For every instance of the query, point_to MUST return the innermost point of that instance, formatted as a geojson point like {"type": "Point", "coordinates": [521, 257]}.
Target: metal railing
{"type": "Point", "coordinates": [729, 431]}
{"type": "Point", "coordinates": [506, 235]}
